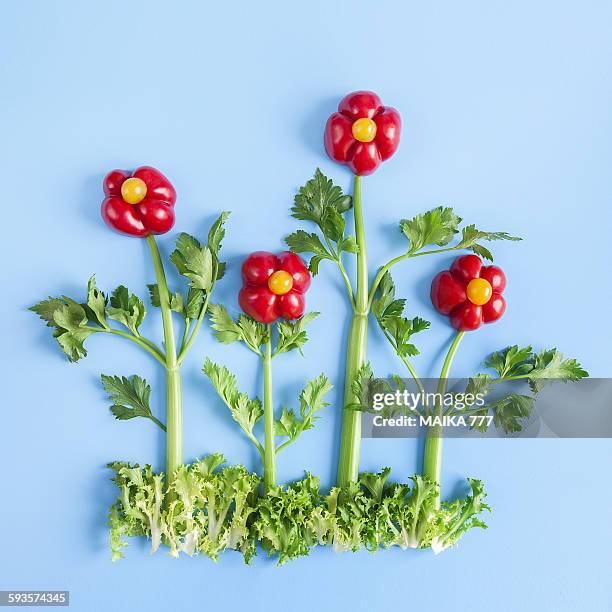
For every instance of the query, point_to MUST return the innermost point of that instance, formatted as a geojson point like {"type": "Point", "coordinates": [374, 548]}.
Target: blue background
{"type": "Point", "coordinates": [506, 110]}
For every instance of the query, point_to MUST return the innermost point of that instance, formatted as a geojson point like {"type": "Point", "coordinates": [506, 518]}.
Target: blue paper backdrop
{"type": "Point", "coordinates": [506, 110]}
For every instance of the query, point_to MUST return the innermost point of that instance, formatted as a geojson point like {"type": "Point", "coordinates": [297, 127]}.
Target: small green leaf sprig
{"type": "Point", "coordinates": [323, 203]}
{"type": "Point", "coordinates": [247, 411]}
{"type": "Point", "coordinates": [73, 322]}
{"type": "Point", "coordinates": [513, 363]}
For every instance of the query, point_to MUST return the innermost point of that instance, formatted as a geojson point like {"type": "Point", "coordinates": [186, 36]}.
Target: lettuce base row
{"type": "Point", "coordinates": [212, 507]}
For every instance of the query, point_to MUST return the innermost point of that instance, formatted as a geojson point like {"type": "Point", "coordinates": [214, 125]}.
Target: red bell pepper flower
{"type": "Point", "coordinates": [140, 203]}
{"type": "Point", "coordinates": [469, 293]}
{"type": "Point", "coordinates": [274, 286]}
{"type": "Point", "coordinates": [363, 133]}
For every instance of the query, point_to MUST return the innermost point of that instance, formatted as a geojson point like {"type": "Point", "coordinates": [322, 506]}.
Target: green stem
{"type": "Point", "coordinates": [347, 282]}
{"type": "Point", "coordinates": [174, 403]}
{"type": "Point", "coordinates": [345, 278]}
{"type": "Point", "coordinates": [185, 336]}
{"type": "Point", "coordinates": [396, 260]}
{"type": "Point", "coordinates": [147, 345]}
{"type": "Point", "coordinates": [269, 450]}
{"type": "Point", "coordinates": [432, 461]}
{"type": "Point", "coordinates": [406, 361]}
{"type": "Point", "coordinates": [158, 423]}
{"type": "Point", "coordinates": [197, 326]}
{"type": "Point", "coordinates": [350, 440]}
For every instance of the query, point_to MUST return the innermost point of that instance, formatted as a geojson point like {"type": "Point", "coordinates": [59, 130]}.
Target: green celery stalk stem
{"type": "Point", "coordinates": [269, 450]}
{"type": "Point", "coordinates": [348, 467]}
{"type": "Point", "coordinates": [174, 399]}
{"type": "Point", "coordinates": [432, 460]}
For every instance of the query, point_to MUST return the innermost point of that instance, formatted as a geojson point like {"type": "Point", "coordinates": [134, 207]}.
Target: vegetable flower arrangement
{"type": "Point", "coordinates": [208, 507]}
{"type": "Point", "coordinates": [360, 135]}
{"type": "Point", "coordinates": [141, 204]}
{"type": "Point", "coordinates": [274, 288]}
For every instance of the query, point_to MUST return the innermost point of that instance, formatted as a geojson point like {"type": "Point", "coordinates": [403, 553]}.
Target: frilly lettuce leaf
{"type": "Point", "coordinates": [212, 508]}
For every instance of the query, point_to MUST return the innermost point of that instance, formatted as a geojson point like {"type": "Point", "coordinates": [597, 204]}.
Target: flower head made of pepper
{"type": "Point", "coordinates": [363, 133]}
{"type": "Point", "coordinates": [138, 203]}
{"type": "Point", "coordinates": [469, 293]}
{"type": "Point", "coordinates": [274, 286]}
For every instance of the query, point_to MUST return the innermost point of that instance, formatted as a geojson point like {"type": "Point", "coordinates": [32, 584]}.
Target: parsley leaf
{"type": "Point", "coordinates": [191, 309]}
{"type": "Point", "coordinates": [317, 197]}
{"type": "Point", "coordinates": [96, 303]}
{"type": "Point", "coordinates": [177, 303]}
{"type": "Point", "coordinates": [72, 330]}
{"type": "Point", "coordinates": [199, 263]}
{"type": "Point", "coordinates": [437, 226]}
{"type": "Point", "coordinates": [385, 306]}
{"type": "Point", "coordinates": [195, 303]}
{"type": "Point", "coordinates": [244, 410]}
{"type": "Point", "coordinates": [215, 237]}
{"type": "Point", "coordinates": [252, 333]}
{"type": "Point", "coordinates": [364, 386]}
{"type": "Point", "coordinates": [303, 242]}
{"type": "Point", "coordinates": [193, 261]}
{"type": "Point", "coordinates": [511, 361]}
{"type": "Point", "coordinates": [479, 385]}
{"type": "Point", "coordinates": [292, 335]}
{"type": "Point", "coordinates": [127, 309]}
{"type": "Point", "coordinates": [70, 319]}
{"type": "Point", "coordinates": [349, 244]}
{"type": "Point", "coordinates": [227, 331]}
{"type": "Point", "coordinates": [389, 313]}
{"type": "Point", "coordinates": [154, 295]}
{"type": "Point", "coordinates": [551, 364]}
{"type": "Point", "coordinates": [312, 400]}
{"type": "Point", "coordinates": [509, 412]}
{"type": "Point", "coordinates": [46, 309]}
{"type": "Point", "coordinates": [514, 363]}
{"type": "Point", "coordinates": [440, 225]}
{"type": "Point", "coordinates": [471, 237]}
{"type": "Point", "coordinates": [323, 203]}
{"type": "Point", "coordinates": [288, 425]}
{"type": "Point", "coordinates": [130, 398]}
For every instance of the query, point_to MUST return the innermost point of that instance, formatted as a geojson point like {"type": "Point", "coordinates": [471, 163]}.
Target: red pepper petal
{"type": "Point", "coordinates": [156, 216]}
{"type": "Point", "coordinates": [291, 305]}
{"type": "Point", "coordinates": [446, 292]}
{"type": "Point", "coordinates": [338, 137]}
{"type": "Point", "coordinates": [494, 308]}
{"type": "Point", "coordinates": [496, 277]}
{"type": "Point", "coordinates": [121, 216]}
{"type": "Point", "coordinates": [112, 182]}
{"type": "Point", "coordinates": [466, 268]}
{"type": "Point", "coordinates": [360, 104]}
{"type": "Point", "coordinates": [158, 186]}
{"type": "Point", "coordinates": [292, 263]}
{"type": "Point", "coordinates": [258, 267]}
{"type": "Point", "coordinates": [364, 158]}
{"type": "Point", "coordinates": [388, 127]}
{"type": "Point", "coordinates": [259, 303]}
{"type": "Point", "coordinates": [466, 317]}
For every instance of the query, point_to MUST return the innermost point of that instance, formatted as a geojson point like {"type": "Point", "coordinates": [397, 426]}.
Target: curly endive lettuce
{"type": "Point", "coordinates": [208, 508]}
{"type": "Point", "coordinates": [373, 513]}
{"type": "Point", "coordinates": [213, 508]}
{"type": "Point", "coordinates": [283, 521]}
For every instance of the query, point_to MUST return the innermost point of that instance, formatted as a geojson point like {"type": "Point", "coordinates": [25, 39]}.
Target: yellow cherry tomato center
{"type": "Point", "coordinates": [364, 130]}
{"type": "Point", "coordinates": [133, 190]}
{"type": "Point", "coordinates": [280, 282]}
{"type": "Point", "coordinates": [479, 291]}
